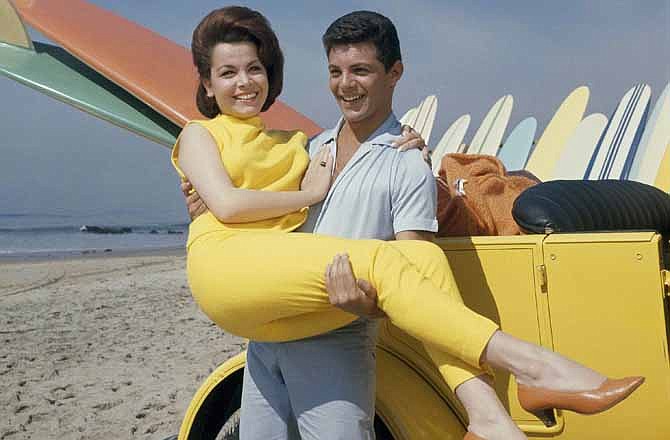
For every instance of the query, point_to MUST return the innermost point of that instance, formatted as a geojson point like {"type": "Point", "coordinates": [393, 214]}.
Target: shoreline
{"type": "Point", "coordinates": [57, 255]}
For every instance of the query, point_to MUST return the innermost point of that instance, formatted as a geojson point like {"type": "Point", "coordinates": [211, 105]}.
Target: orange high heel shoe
{"type": "Point", "coordinates": [541, 402]}
{"type": "Point", "coordinates": [471, 436]}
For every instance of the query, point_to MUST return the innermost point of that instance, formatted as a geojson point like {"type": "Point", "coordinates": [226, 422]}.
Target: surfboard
{"type": "Point", "coordinates": [654, 140]}
{"type": "Point", "coordinates": [516, 148]}
{"type": "Point", "coordinates": [662, 180]}
{"type": "Point", "coordinates": [579, 148]}
{"type": "Point", "coordinates": [408, 116]}
{"type": "Point", "coordinates": [149, 66]}
{"type": "Point", "coordinates": [56, 73]}
{"type": "Point", "coordinates": [451, 140]}
{"type": "Point", "coordinates": [616, 149]}
{"type": "Point", "coordinates": [489, 135]}
{"type": "Point", "coordinates": [425, 117]}
{"type": "Point", "coordinates": [544, 156]}
{"type": "Point", "coordinates": [12, 30]}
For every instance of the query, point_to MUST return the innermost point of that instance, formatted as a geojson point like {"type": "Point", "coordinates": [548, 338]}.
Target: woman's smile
{"type": "Point", "coordinates": [239, 81]}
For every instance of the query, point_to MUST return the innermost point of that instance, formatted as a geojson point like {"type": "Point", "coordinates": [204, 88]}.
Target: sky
{"type": "Point", "coordinates": [55, 159]}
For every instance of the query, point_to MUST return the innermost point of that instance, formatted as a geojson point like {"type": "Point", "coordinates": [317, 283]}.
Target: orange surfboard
{"type": "Point", "coordinates": [156, 70]}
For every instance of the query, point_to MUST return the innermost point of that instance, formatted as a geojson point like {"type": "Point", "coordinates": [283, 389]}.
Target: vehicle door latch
{"type": "Point", "coordinates": [542, 276]}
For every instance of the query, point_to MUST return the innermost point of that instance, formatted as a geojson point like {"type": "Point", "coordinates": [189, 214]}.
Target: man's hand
{"type": "Point", "coordinates": [345, 292]}
{"type": "Point", "coordinates": [196, 206]}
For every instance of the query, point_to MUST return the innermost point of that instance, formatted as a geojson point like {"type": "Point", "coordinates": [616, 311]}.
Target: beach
{"type": "Point", "coordinates": [108, 346]}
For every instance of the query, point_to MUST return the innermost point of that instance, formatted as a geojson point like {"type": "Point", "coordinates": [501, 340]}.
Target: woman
{"type": "Point", "coordinates": [254, 279]}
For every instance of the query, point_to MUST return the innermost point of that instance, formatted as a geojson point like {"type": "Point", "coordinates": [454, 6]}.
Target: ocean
{"type": "Point", "coordinates": [65, 234]}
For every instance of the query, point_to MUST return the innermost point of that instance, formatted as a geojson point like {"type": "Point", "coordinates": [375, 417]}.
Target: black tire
{"type": "Point", "coordinates": [231, 429]}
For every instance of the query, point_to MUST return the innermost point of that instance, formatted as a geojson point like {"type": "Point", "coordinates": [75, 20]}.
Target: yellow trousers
{"type": "Point", "coordinates": [270, 286]}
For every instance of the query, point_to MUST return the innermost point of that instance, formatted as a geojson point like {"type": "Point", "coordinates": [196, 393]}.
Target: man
{"type": "Point", "coordinates": [327, 383]}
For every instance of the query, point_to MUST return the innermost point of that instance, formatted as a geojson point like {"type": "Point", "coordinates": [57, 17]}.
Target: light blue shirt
{"type": "Point", "coordinates": [381, 191]}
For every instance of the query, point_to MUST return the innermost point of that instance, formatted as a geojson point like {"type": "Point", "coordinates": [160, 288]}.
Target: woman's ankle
{"type": "Point", "coordinates": [535, 366]}
{"type": "Point", "coordinates": [522, 359]}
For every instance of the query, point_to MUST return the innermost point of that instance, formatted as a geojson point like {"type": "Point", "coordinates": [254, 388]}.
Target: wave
{"type": "Point", "coordinates": [101, 229]}
{"type": "Point", "coordinates": [33, 215]}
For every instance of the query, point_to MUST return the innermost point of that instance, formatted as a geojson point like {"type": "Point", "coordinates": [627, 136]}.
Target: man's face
{"type": "Point", "coordinates": [359, 82]}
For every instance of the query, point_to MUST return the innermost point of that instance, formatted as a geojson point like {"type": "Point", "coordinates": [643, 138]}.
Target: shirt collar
{"type": "Point", "coordinates": [384, 135]}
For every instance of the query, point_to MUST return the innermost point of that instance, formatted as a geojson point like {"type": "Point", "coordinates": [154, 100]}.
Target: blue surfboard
{"type": "Point", "coordinates": [515, 150]}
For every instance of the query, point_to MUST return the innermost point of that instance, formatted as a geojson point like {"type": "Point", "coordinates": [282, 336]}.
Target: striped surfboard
{"type": "Point", "coordinates": [654, 140]}
{"type": "Point", "coordinates": [614, 154]}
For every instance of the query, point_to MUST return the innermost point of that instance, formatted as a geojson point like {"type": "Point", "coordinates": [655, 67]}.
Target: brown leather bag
{"type": "Point", "coordinates": [475, 196]}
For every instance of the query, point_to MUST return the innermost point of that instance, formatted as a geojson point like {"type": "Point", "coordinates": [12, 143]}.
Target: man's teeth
{"type": "Point", "coordinates": [246, 97]}
{"type": "Point", "coordinates": [352, 98]}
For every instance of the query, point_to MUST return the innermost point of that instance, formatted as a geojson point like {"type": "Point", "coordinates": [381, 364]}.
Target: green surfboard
{"type": "Point", "coordinates": [52, 71]}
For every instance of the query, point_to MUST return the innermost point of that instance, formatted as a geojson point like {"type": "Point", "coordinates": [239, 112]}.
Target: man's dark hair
{"type": "Point", "coordinates": [363, 27]}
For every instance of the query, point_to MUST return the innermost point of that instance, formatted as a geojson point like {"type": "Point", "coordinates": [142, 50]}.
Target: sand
{"type": "Point", "coordinates": [101, 348]}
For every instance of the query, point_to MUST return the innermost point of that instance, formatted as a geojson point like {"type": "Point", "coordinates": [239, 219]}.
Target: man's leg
{"type": "Point", "coordinates": [266, 412]}
{"type": "Point", "coordinates": [331, 382]}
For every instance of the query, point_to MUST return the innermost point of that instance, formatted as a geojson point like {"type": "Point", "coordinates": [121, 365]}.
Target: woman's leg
{"type": "Point", "coordinates": [535, 366]}
{"type": "Point", "coordinates": [487, 416]}
{"type": "Point", "coordinates": [269, 286]}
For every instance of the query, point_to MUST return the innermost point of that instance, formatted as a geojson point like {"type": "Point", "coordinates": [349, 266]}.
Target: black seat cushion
{"type": "Point", "coordinates": [592, 205]}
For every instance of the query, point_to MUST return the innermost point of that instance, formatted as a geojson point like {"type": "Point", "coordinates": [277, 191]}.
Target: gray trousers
{"type": "Point", "coordinates": [322, 387]}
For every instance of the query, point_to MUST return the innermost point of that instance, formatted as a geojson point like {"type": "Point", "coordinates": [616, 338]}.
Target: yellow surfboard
{"type": "Point", "coordinates": [12, 30]}
{"type": "Point", "coordinates": [663, 177]}
{"type": "Point", "coordinates": [543, 159]}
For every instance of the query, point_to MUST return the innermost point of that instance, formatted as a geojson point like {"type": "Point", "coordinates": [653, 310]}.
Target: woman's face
{"type": "Point", "coordinates": [238, 80]}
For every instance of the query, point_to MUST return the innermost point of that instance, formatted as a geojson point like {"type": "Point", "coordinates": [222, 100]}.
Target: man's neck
{"type": "Point", "coordinates": [353, 134]}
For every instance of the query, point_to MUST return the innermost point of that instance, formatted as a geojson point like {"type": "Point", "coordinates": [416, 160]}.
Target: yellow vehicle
{"type": "Point", "coordinates": [600, 298]}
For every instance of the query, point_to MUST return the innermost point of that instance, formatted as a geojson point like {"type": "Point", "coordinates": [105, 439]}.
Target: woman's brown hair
{"type": "Point", "coordinates": [234, 24]}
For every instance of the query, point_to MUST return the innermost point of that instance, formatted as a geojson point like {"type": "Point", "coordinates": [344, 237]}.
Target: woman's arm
{"type": "Point", "coordinates": [200, 160]}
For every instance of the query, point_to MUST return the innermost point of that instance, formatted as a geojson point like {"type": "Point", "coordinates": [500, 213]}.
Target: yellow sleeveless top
{"type": "Point", "coordinates": [254, 159]}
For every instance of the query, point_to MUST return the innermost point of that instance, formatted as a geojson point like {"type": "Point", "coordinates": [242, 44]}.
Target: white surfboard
{"type": "Point", "coordinates": [654, 140]}
{"type": "Point", "coordinates": [425, 117]}
{"type": "Point", "coordinates": [663, 177]}
{"type": "Point", "coordinates": [543, 157]}
{"type": "Point", "coordinates": [614, 153]}
{"type": "Point", "coordinates": [450, 141]}
{"type": "Point", "coordinates": [516, 148]}
{"type": "Point", "coordinates": [409, 115]}
{"type": "Point", "coordinates": [579, 149]}
{"type": "Point", "coordinates": [489, 135]}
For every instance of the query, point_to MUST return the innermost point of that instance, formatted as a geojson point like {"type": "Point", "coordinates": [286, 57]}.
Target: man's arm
{"type": "Point", "coordinates": [415, 235]}
{"type": "Point", "coordinates": [414, 206]}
